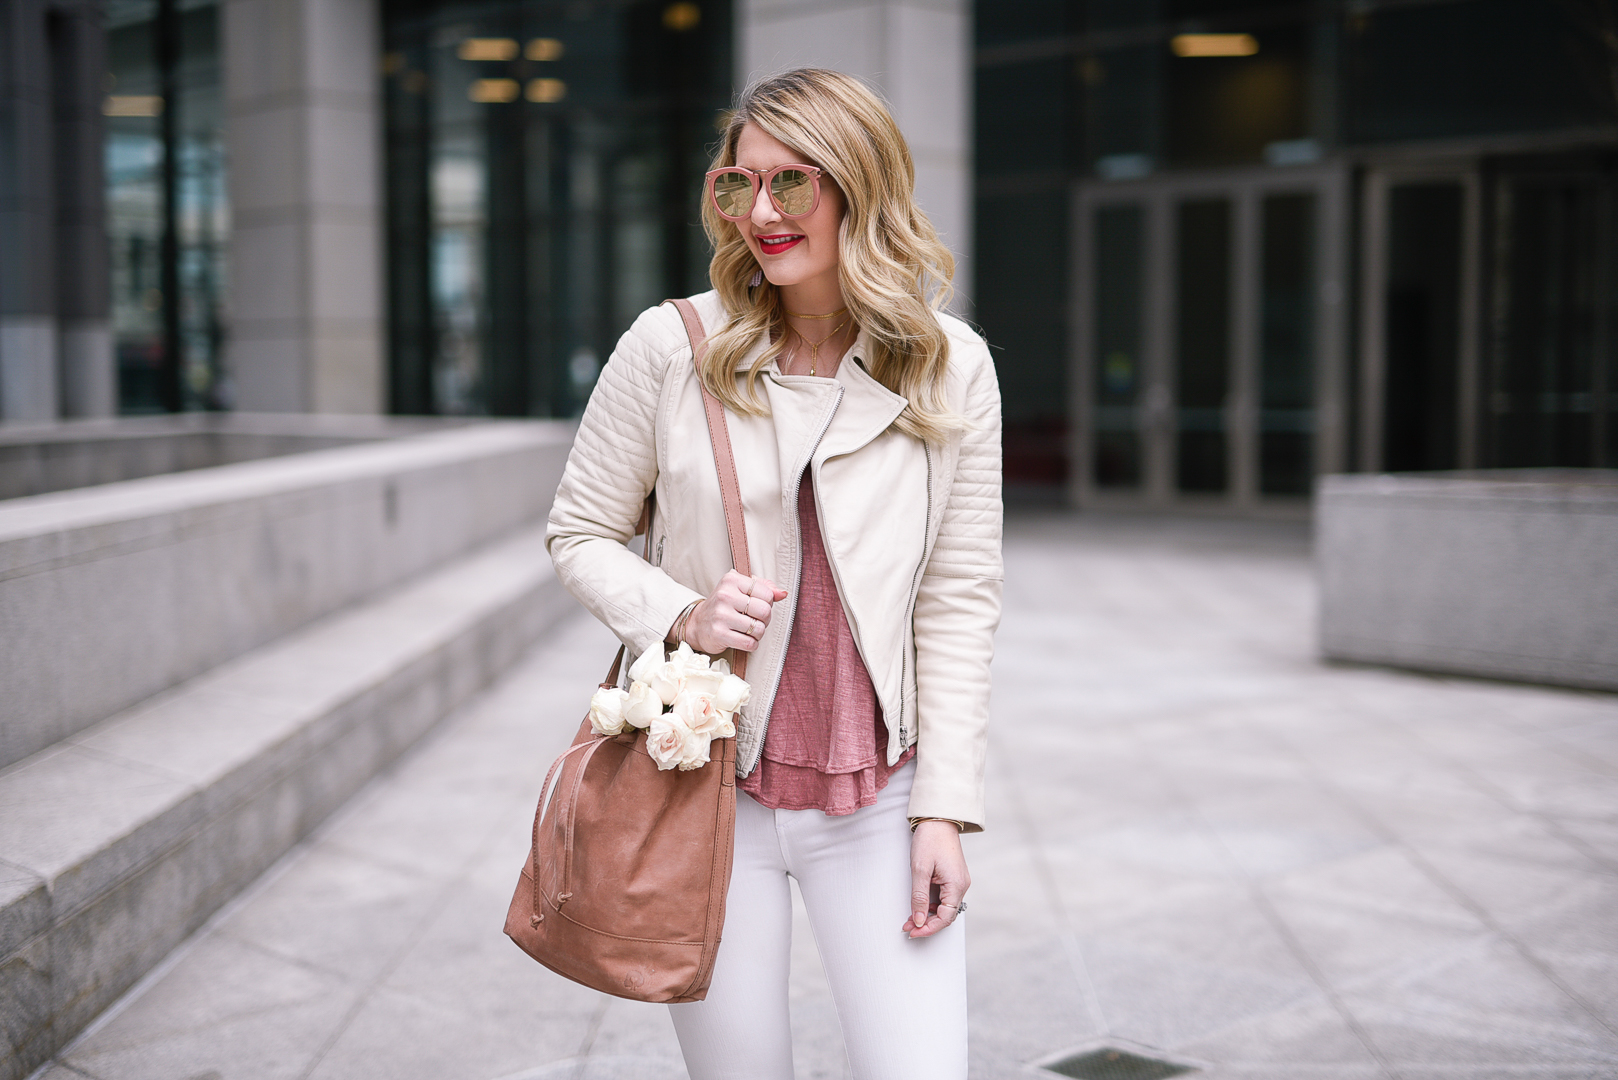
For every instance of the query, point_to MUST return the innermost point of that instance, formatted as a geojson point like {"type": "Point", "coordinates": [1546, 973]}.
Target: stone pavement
{"type": "Point", "coordinates": [1204, 845]}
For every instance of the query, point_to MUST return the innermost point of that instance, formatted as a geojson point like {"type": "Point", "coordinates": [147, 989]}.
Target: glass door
{"type": "Point", "coordinates": [1209, 331]}
{"type": "Point", "coordinates": [1553, 367]}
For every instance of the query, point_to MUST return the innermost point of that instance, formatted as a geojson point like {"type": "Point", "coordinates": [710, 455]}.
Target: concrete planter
{"type": "Point", "coordinates": [1510, 574]}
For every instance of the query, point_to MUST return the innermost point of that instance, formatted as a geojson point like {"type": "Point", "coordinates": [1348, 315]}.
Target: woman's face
{"type": "Point", "coordinates": [792, 251]}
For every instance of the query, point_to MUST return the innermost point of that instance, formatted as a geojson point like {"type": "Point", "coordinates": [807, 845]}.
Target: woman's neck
{"type": "Point", "coordinates": [807, 306]}
{"type": "Point", "coordinates": [817, 296]}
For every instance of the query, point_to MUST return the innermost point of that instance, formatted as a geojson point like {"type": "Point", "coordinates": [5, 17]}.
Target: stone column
{"type": "Point", "coordinates": [303, 131]}
{"type": "Point", "coordinates": [918, 54]}
{"type": "Point", "coordinates": [28, 389]}
{"type": "Point", "coordinates": [55, 339]}
{"type": "Point", "coordinates": [89, 379]}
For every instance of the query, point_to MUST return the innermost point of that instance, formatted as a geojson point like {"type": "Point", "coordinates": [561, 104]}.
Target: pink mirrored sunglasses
{"type": "Point", "coordinates": [794, 189]}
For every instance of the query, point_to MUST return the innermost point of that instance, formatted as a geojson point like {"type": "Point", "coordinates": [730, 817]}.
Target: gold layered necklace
{"type": "Point", "coordinates": [814, 346]}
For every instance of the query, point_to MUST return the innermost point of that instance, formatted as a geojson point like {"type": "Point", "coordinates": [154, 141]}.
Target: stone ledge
{"type": "Point", "coordinates": [213, 563]}
{"type": "Point", "coordinates": [118, 843]}
{"type": "Point", "coordinates": [59, 456]}
{"type": "Point", "coordinates": [1504, 574]}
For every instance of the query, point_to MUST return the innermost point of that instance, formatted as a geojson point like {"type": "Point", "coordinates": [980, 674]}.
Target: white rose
{"type": "Point", "coordinates": [672, 744]}
{"type": "Point", "coordinates": [607, 710]}
{"type": "Point", "coordinates": [732, 693]}
{"type": "Point", "coordinates": [668, 679]}
{"type": "Point", "coordinates": [641, 705]}
{"type": "Point", "coordinates": [641, 669]}
{"type": "Point", "coordinates": [697, 712]}
{"type": "Point", "coordinates": [706, 682]}
{"type": "Point", "coordinates": [721, 665]}
{"type": "Point", "coordinates": [726, 728]}
{"type": "Point", "coordinates": [688, 658]}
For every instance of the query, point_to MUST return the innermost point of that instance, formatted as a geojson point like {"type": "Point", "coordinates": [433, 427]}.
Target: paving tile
{"type": "Point", "coordinates": [1485, 1006]}
{"type": "Point", "coordinates": [226, 1008]}
{"type": "Point", "coordinates": [1308, 1035]}
{"type": "Point", "coordinates": [395, 1036]}
{"type": "Point", "coordinates": [335, 910]}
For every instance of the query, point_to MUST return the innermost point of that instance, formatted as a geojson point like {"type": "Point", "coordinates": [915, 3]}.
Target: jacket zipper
{"type": "Point", "coordinates": [915, 586]}
{"type": "Point", "coordinates": [797, 575]}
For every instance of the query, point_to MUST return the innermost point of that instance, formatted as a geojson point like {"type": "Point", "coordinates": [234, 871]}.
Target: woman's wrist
{"type": "Point", "coordinates": [676, 632]}
{"type": "Point", "coordinates": [960, 826]}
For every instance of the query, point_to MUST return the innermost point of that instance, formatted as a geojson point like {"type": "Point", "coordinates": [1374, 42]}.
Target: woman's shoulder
{"type": "Point", "coordinates": [968, 353]}
{"type": "Point", "coordinates": [658, 333]}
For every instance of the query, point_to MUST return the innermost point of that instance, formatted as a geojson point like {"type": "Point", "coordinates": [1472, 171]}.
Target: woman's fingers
{"type": "Point", "coordinates": [938, 878]}
{"type": "Point", "coordinates": [735, 616]}
{"type": "Point", "coordinates": [921, 889]}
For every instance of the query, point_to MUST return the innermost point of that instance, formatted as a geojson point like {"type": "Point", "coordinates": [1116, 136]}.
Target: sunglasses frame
{"type": "Point", "coordinates": [762, 178]}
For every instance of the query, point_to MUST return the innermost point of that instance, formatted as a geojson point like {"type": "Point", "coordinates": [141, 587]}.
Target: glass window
{"type": "Point", "coordinates": [1230, 109]}
{"type": "Point", "coordinates": [1436, 70]}
{"type": "Point", "coordinates": [1550, 400]}
{"type": "Point", "coordinates": [1202, 342]}
{"type": "Point", "coordinates": [1022, 307]}
{"type": "Point", "coordinates": [1421, 331]}
{"type": "Point", "coordinates": [167, 303]}
{"type": "Point", "coordinates": [1287, 345]}
{"type": "Point", "coordinates": [544, 166]}
{"type": "Point", "coordinates": [1118, 276]}
{"type": "Point", "coordinates": [1123, 107]}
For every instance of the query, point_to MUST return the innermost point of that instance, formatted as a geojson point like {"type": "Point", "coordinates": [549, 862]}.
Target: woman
{"type": "Point", "coordinates": [866, 429]}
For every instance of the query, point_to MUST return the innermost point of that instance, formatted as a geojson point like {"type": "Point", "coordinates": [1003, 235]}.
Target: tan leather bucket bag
{"type": "Point", "coordinates": [624, 887]}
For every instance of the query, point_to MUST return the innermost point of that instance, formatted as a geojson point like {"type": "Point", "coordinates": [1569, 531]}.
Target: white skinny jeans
{"type": "Point", "coordinates": [901, 1003]}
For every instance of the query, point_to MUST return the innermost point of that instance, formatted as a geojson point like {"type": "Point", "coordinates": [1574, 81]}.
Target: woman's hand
{"type": "Point", "coordinates": [735, 616]}
{"type": "Point", "coordinates": [938, 878]}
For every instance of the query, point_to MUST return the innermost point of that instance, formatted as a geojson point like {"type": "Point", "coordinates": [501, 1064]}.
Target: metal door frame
{"type": "Point", "coordinates": [1155, 410]}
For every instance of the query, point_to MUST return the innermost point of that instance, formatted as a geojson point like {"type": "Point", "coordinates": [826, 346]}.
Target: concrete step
{"type": "Point", "coordinates": [216, 562]}
{"type": "Point", "coordinates": [119, 841]}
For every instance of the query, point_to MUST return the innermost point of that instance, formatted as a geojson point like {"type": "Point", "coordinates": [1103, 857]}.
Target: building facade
{"type": "Point", "coordinates": [1220, 247]}
{"type": "Point", "coordinates": [1274, 240]}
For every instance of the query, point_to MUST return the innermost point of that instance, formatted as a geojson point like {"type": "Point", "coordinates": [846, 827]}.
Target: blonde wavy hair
{"type": "Point", "coordinates": [893, 269]}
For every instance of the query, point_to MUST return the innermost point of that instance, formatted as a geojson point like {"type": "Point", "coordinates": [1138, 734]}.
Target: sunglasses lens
{"type": "Point", "coordinates": [733, 193]}
{"type": "Point", "coordinates": [793, 191]}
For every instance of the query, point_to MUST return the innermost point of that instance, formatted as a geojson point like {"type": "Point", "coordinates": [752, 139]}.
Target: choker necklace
{"type": "Point", "coordinates": [833, 315]}
{"type": "Point", "coordinates": [814, 346]}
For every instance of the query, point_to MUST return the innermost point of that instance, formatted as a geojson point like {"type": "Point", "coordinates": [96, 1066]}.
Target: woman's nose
{"type": "Point", "coordinates": [764, 211]}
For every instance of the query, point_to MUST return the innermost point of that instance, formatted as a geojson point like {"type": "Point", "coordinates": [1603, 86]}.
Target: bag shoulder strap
{"type": "Point", "coordinates": [730, 491]}
{"type": "Point", "coordinates": [719, 434]}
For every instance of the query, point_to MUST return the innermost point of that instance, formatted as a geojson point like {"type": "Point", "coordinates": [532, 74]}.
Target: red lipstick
{"type": "Point", "coordinates": [774, 245]}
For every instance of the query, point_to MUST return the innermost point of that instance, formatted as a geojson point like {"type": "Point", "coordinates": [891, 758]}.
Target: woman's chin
{"type": "Point", "coordinates": [788, 275]}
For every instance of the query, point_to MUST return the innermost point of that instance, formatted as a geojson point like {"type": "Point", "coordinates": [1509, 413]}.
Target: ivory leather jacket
{"type": "Point", "coordinates": [912, 531]}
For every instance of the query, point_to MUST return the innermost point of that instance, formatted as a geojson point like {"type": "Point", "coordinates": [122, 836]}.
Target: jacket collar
{"type": "Point", "coordinates": [867, 408]}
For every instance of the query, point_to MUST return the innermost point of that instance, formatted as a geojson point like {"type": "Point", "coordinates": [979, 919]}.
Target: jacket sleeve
{"type": "Point", "coordinates": [610, 470]}
{"type": "Point", "coordinates": [957, 613]}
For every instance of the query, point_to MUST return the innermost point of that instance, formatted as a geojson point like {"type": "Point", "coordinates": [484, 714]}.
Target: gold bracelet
{"type": "Point", "coordinates": [677, 631]}
{"type": "Point", "coordinates": [960, 826]}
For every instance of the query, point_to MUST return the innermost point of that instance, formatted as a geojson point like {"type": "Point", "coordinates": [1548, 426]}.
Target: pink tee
{"type": "Point", "coordinates": [826, 747]}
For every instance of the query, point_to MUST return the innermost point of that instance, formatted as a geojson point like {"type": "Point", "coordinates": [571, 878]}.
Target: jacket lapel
{"type": "Point", "coordinates": [868, 408]}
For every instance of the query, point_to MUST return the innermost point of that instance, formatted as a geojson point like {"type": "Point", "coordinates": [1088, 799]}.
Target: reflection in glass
{"type": "Point", "coordinates": [1421, 343]}
{"type": "Point", "coordinates": [1118, 277]}
{"type": "Point", "coordinates": [1287, 345]}
{"type": "Point", "coordinates": [135, 157]}
{"type": "Point", "coordinates": [1556, 261]}
{"type": "Point", "coordinates": [544, 166]}
{"type": "Point", "coordinates": [1202, 342]}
